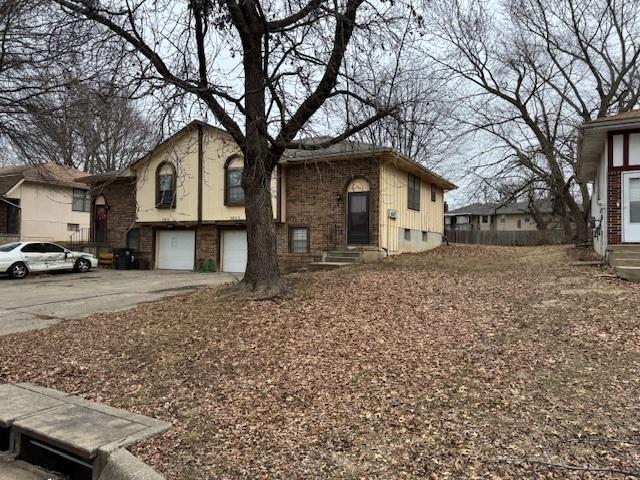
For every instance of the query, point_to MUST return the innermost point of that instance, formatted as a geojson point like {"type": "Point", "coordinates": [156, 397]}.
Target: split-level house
{"type": "Point", "coordinates": [181, 206]}
{"type": "Point", "coordinates": [504, 217]}
{"type": "Point", "coordinates": [42, 202]}
{"type": "Point", "coordinates": [609, 156]}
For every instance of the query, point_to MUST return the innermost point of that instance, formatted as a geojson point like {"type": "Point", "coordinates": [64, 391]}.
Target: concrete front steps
{"type": "Point", "coordinates": [625, 259]}
{"type": "Point", "coordinates": [337, 258]}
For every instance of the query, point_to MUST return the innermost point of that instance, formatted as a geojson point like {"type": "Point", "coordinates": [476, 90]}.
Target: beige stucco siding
{"type": "Point", "coordinates": [45, 212]}
{"type": "Point", "coordinates": [511, 222]}
{"type": "Point", "coordinates": [394, 196]}
{"type": "Point", "coordinates": [183, 153]}
{"type": "Point", "coordinates": [218, 148]}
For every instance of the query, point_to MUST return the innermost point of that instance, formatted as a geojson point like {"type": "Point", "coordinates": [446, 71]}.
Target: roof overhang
{"type": "Point", "coordinates": [386, 155]}
{"type": "Point", "coordinates": [592, 137]}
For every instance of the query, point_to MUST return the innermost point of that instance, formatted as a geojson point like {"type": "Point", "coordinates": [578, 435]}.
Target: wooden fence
{"type": "Point", "coordinates": [508, 238]}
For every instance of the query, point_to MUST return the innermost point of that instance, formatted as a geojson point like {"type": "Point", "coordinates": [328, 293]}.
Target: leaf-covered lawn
{"type": "Point", "coordinates": [464, 362]}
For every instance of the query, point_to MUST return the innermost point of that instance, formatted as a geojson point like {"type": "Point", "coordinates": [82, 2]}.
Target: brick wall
{"type": "Point", "coordinates": [3, 217]}
{"type": "Point", "coordinates": [614, 213]}
{"type": "Point", "coordinates": [120, 195]}
{"type": "Point", "coordinates": [206, 244]}
{"type": "Point", "coordinates": [312, 200]}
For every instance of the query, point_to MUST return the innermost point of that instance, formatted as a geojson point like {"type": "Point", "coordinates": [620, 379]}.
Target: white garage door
{"type": "Point", "coordinates": [175, 249]}
{"type": "Point", "coordinates": [234, 251]}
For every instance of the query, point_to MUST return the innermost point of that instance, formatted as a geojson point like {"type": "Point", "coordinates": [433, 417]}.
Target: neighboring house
{"type": "Point", "coordinates": [609, 156]}
{"type": "Point", "coordinates": [500, 217]}
{"type": "Point", "coordinates": [182, 206]}
{"type": "Point", "coordinates": [43, 202]}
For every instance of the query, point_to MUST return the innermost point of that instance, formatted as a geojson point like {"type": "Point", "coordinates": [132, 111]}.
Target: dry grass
{"type": "Point", "coordinates": [465, 362]}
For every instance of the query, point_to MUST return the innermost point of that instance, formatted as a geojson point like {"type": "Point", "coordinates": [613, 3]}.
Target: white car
{"type": "Point", "coordinates": [18, 259]}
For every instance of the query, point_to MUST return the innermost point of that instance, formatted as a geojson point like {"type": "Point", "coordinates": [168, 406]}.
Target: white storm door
{"type": "Point", "coordinates": [631, 207]}
{"type": "Point", "coordinates": [234, 251]}
{"type": "Point", "coordinates": [176, 249]}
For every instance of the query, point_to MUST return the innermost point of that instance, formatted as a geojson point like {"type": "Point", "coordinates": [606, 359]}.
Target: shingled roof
{"type": "Point", "coordinates": [544, 206]}
{"type": "Point", "coordinates": [51, 173]}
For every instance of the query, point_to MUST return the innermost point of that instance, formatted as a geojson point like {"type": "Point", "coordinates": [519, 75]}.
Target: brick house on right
{"type": "Point", "coordinates": [609, 156]}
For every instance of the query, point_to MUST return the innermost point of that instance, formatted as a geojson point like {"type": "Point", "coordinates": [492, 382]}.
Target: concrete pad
{"type": "Point", "coordinates": [121, 465]}
{"type": "Point", "coordinates": [11, 469]}
{"type": "Point", "coordinates": [16, 402]}
{"type": "Point", "coordinates": [77, 429]}
{"type": "Point", "coordinates": [73, 423]}
{"type": "Point", "coordinates": [43, 300]}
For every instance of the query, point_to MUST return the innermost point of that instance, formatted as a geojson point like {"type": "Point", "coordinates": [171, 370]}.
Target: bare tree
{"type": "Point", "coordinates": [537, 68]}
{"type": "Point", "coordinates": [93, 126]}
{"type": "Point", "coordinates": [422, 125]}
{"type": "Point", "coordinates": [262, 68]}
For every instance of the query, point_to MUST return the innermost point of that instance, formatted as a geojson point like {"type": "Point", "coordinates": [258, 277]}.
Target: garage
{"type": "Point", "coordinates": [175, 249]}
{"type": "Point", "coordinates": [234, 251]}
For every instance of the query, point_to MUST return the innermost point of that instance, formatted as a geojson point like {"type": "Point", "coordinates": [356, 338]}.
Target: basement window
{"type": "Point", "coordinates": [424, 236]}
{"type": "Point", "coordinates": [73, 227]}
{"type": "Point", "coordinates": [407, 234]}
{"type": "Point", "coordinates": [299, 240]}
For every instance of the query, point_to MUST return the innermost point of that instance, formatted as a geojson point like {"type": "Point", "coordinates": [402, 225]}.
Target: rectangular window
{"type": "Point", "coordinates": [413, 201]}
{"type": "Point", "coordinates": [434, 192]}
{"type": "Point", "coordinates": [407, 234]}
{"type": "Point", "coordinates": [485, 219]}
{"type": "Point", "coordinates": [299, 240]}
{"type": "Point", "coordinates": [73, 227]}
{"type": "Point", "coordinates": [526, 220]}
{"type": "Point", "coordinates": [503, 218]}
{"type": "Point", "coordinates": [234, 193]}
{"type": "Point", "coordinates": [424, 236]}
{"type": "Point", "coordinates": [81, 200]}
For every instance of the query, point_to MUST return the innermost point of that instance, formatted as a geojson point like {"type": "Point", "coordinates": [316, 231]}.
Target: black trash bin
{"type": "Point", "coordinates": [123, 258]}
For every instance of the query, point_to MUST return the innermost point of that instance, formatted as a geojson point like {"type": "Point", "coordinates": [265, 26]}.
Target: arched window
{"type": "Point", "coordinates": [233, 192]}
{"type": "Point", "coordinates": [166, 186]}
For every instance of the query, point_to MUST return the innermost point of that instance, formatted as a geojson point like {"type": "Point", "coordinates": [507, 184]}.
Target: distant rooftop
{"type": "Point", "coordinates": [544, 206]}
{"type": "Point", "coordinates": [51, 173]}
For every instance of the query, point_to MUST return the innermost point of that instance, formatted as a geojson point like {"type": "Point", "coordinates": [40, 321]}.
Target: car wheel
{"type": "Point", "coordinates": [18, 270]}
{"type": "Point", "coordinates": [83, 265]}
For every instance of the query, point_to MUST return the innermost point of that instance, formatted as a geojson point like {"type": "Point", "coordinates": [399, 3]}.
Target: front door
{"type": "Point", "coordinates": [631, 208]}
{"type": "Point", "coordinates": [358, 218]}
{"type": "Point", "coordinates": [101, 223]}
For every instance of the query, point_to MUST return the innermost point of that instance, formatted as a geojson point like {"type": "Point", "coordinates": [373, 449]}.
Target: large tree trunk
{"type": "Point", "coordinates": [579, 217]}
{"type": "Point", "coordinates": [263, 273]}
{"type": "Point", "coordinates": [262, 276]}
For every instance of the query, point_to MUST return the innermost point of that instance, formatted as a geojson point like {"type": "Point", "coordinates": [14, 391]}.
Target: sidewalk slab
{"type": "Point", "coordinates": [72, 423]}
{"type": "Point", "coordinates": [16, 402]}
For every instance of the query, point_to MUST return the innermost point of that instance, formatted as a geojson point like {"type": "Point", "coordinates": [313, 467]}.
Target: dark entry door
{"type": "Point", "coordinates": [101, 223]}
{"type": "Point", "coordinates": [358, 218]}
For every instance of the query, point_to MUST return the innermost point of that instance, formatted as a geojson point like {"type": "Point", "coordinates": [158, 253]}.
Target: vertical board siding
{"type": "Point", "coordinates": [394, 195]}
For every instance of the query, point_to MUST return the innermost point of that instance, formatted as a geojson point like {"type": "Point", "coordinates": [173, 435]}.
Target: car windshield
{"type": "Point", "coordinates": [7, 247]}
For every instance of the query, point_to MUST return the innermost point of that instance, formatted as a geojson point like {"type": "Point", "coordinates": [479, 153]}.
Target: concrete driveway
{"type": "Point", "coordinates": [43, 300]}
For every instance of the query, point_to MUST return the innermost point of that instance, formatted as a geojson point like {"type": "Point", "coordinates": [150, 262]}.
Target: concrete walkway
{"type": "Point", "coordinates": [43, 300]}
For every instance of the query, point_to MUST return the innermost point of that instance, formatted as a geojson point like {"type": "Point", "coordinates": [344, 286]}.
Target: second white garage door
{"type": "Point", "coordinates": [176, 249]}
{"type": "Point", "coordinates": [234, 251]}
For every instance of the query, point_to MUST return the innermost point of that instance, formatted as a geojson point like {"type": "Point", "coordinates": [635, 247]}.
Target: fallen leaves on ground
{"type": "Point", "coordinates": [463, 362]}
